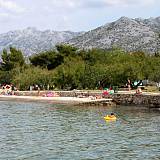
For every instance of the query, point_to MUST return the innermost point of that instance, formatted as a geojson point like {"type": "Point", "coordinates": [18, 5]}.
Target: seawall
{"type": "Point", "coordinates": [146, 99]}
{"type": "Point", "coordinates": [151, 100]}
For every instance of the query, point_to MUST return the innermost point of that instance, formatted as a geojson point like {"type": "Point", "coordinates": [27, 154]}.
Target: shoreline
{"type": "Point", "coordinates": [148, 99]}
{"type": "Point", "coordinates": [60, 100]}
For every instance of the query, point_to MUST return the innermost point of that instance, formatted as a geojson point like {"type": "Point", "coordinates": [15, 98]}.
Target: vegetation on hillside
{"type": "Point", "coordinates": [68, 67]}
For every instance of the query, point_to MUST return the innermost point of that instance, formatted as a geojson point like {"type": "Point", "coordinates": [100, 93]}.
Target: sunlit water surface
{"type": "Point", "coordinates": [40, 131]}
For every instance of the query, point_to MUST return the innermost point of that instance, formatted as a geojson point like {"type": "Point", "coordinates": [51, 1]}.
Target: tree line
{"type": "Point", "coordinates": [67, 67]}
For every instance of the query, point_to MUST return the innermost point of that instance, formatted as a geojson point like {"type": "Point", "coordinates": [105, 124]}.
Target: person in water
{"type": "Point", "coordinates": [111, 115]}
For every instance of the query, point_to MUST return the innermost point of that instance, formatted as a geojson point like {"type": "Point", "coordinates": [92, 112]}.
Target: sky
{"type": "Point", "coordinates": [73, 15]}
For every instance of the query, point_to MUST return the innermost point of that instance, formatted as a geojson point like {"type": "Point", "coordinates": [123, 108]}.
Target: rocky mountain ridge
{"type": "Point", "coordinates": [129, 34]}
{"type": "Point", "coordinates": [31, 40]}
{"type": "Point", "coordinates": [126, 33]}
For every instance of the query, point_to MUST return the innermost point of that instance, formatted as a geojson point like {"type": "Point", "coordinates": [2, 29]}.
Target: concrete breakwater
{"type": "Point", "coordinates": [151, 100]}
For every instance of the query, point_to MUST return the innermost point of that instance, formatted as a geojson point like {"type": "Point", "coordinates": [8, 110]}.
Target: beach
{"type": "Point", "coordinates": [63, 100]}
{"type": "Point", "coordinates": [147, 99]}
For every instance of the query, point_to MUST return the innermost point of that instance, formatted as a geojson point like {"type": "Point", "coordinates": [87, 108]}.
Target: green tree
{"type": "Point", "coordinates": [69, 74]}
{"type": "Point", "coordinates": [66, 50]}
{"type": "Point", "coordinates": [33, 75]}
{"type": "Point", "coordinates": [48, 59]}
{"type": "Point", "coordinates": [11, 59]}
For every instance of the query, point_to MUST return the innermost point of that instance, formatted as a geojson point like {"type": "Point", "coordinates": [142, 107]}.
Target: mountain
{"type": "Point", "coordinates": [31, 40]}
{"type": "Point", "coordinates": [153, 23]}
{"type": "Point", "coordinates": [129, 34]}
{"type": "Point", "coordinates": [126, 33]}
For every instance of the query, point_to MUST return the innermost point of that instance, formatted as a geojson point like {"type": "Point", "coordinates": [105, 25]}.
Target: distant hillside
{"type": "Point", "coordinates": [31, 40]}
{"type": "Point", "coordinates": [129, 34]}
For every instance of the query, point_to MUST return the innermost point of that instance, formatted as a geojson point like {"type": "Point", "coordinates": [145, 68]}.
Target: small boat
{"type": "Point", "coordinates": [110, 117]}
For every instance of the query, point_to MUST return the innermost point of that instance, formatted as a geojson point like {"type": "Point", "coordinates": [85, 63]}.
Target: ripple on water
{"type": "Point", "coordinates": [47, 131]}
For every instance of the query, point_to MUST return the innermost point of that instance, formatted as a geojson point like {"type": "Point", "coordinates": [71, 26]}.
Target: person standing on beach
{"type": "Point", "coordinates": [129, 84]}
{"type": "Point", "coordinates": [38, 90]}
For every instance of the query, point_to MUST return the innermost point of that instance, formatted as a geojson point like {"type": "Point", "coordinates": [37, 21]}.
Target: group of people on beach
{"type": "Point", "coordinates": [108, 91]}
{"type": "Point", "coordinates": [51, 94]}
{"type": "Point", "coordinates": [135, 84]}
{"type": "Point", "coordinates": [7, 89]}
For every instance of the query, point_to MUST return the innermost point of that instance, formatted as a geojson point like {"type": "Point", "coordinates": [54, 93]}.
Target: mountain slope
{"type": "Point", "coordinates": [31, 40]}
{"type": "Point", "coordinates": [126, 33]}
{"type": "Point", "coordinates": [153, 23]}
{"type": "Point", "coordinates": [129, 34]}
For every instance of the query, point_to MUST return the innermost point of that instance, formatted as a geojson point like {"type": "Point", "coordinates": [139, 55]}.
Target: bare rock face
{"type": "Point", "coordinates": [31, 40]}
{"type": "Point", "coordinates": [128, 34]}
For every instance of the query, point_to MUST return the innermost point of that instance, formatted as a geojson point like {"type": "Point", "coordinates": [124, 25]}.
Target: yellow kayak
{"type": "Point", "coordinates": [110, 117]}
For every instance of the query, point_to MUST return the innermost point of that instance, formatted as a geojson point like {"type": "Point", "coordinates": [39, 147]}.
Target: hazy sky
{"type": "Point", "coordinates": [75, 15]}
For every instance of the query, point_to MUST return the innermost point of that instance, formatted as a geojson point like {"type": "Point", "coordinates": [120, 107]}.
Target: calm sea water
{"type": "Point", "coordinates": [40, 131]}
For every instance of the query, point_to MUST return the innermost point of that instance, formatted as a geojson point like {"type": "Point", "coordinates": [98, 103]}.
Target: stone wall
{"type": "Point", "coordinates": [73, 93]}
{"type": "Point", "coordinates": [149, 100]}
